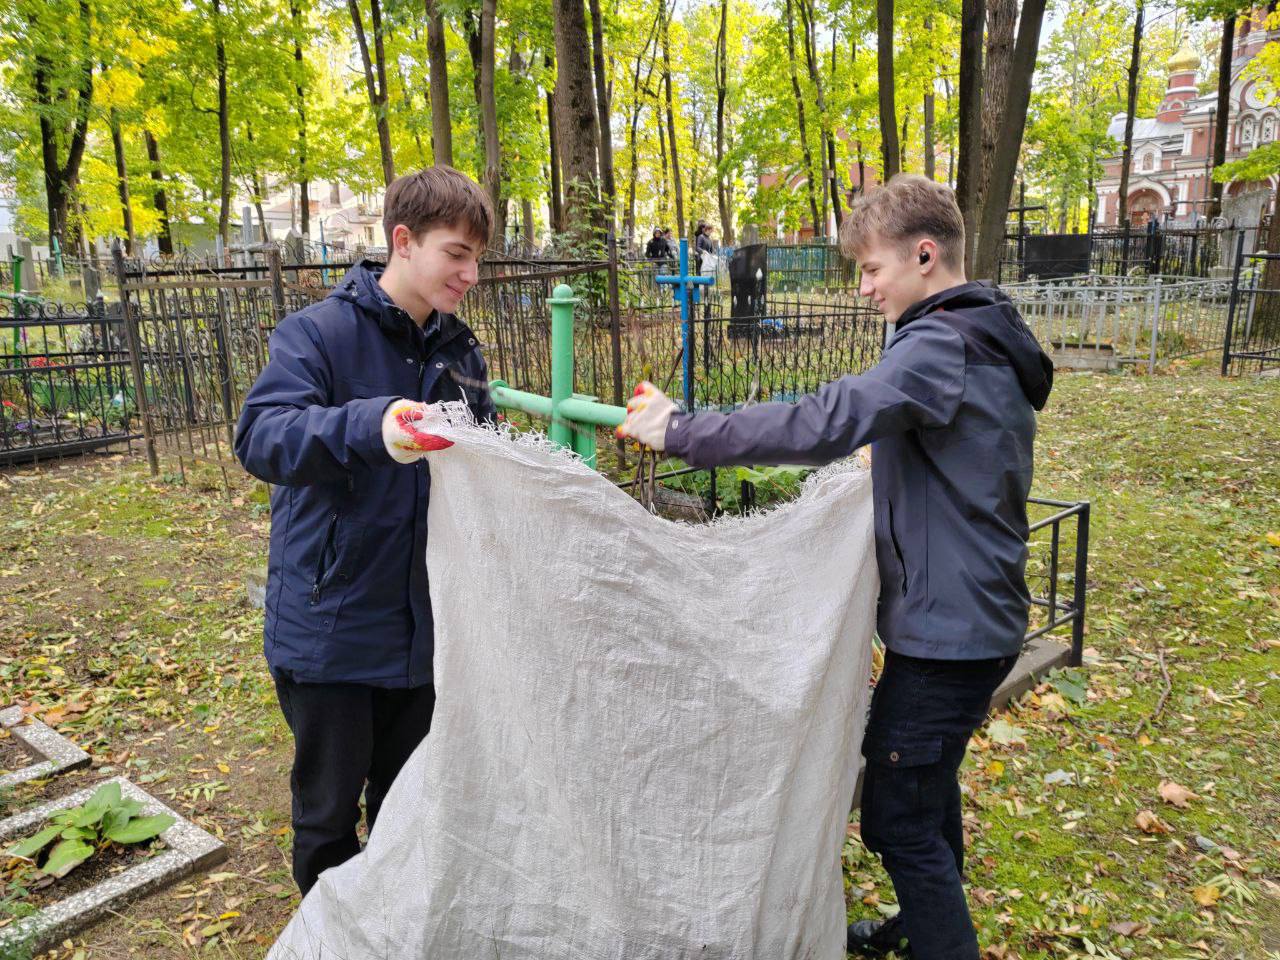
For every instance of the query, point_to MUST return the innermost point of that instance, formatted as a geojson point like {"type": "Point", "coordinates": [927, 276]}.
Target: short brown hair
{"type": "Point", "coordinates": [901, 212]}
{"type": "Point", "coordinates": [437, 196]}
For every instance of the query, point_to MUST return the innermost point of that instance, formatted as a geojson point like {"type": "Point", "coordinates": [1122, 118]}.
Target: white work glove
{"type": "Point", "coordinates": [404, 430]}
{"type": "Point", "coordinates": [648, 413]}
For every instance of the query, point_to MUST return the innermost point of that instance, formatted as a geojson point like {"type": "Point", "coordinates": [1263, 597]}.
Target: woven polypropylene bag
{"type": "Point", "coordinates": [645, 736]}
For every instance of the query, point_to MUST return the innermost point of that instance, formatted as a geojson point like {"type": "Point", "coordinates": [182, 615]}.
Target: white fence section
{"type": "Point", "coordinates": [1146, 320]}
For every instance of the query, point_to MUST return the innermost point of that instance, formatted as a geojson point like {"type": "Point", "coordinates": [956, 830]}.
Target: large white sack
{"type": "Point", "coordinates": [646, 733]}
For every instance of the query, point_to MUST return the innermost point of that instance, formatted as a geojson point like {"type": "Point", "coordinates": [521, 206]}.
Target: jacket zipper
{"type": "Point", "coordinates": [897, 548]}
{"type": "Point", "coordinates": [324, 550]}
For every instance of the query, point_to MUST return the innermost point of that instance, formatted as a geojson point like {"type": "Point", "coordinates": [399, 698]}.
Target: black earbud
{"type": "Point", "coordinates": [924, 257]}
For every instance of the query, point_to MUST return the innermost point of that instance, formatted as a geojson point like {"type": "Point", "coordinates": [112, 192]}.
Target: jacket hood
{"type": "Point", "coordinates": [987, 319]}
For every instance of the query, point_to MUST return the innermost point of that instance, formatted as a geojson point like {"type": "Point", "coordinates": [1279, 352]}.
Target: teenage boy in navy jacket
{"type": "Point", "coordinates": [950, 411]}
{"type": "Point", "coordinates": [338, 422]}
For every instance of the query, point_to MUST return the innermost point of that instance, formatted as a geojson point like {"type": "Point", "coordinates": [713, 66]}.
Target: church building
{"type": "Point", "coordinates": [1169, 179]}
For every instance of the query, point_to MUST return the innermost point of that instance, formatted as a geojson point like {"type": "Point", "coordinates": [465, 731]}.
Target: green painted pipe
{"type": "Point", "coordinates": [17, 293]}
{"type": "Point", "coordinates": [573, 417]}
{"type": "Point", "coordinates": [576, 408]}
{"type": "Point", "coordinates": [562, 302]}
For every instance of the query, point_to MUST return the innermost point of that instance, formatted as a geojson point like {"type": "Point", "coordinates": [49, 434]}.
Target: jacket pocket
{"type": "Point", "coordinates": [339, 556]}
{"type": "Point", "coordinates": [897, 547]}
{"type": "Point", "coordinates": [902, 751]}
{"type": "Point", "coordinates": [327, 560]}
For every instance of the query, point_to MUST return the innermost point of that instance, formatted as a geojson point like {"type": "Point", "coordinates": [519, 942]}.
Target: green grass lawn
{"type": "Point", "coordinates": [122, 621]}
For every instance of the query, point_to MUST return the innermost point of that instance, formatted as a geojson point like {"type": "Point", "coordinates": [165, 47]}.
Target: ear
{"type": "Point", "coordinates": [401, 237]}
{"type": "Point", "coordinates": [926, 255]}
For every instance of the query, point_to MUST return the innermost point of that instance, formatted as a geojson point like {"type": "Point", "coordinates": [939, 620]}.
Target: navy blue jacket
{"type": "Point", "coordinates": [949, 410]}
{"type": "Point", "coordinates": [347, 598]}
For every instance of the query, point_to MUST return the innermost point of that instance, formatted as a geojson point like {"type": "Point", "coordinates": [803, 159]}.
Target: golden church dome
{"type": "Point", "coordinates": [1184, 61]}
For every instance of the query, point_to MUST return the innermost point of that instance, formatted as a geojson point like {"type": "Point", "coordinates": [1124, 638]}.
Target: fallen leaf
{"type": "Point", "coordinates": [1206, 896]}
{"type": "Point", "coordinates": [1176, 794]}
{"type": "Point", "coordinates": [1148, 822]}
{"type": "Point", "coordinates": [1129, 928]}
{"type": "Point", "coordinates": [1003, 732]}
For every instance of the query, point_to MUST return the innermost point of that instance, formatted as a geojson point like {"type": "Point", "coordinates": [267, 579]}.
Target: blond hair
{"type": "Point", "coordinates": [906, 209]}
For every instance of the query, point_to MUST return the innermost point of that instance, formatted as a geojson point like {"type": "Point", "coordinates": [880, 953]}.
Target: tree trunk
{"type": "Point", "coordinates": [576, 123]}
{"type": "Point", "coordinates": [722, 91]}
{"type": "Point", "coordinates": [903, 142]}
{"type": "Point", "coordinates": [160, 199]}
{"type": "Point", "coordinates": [1002, 18]}
{"type": "Point", "coordinates": [526, 218]}
{"type": "Point", "coordinates": [837, 182]}
{"type": "Point", "coordinates": [972, 14]}
{"type": "Point", "coordinates": [681, 228]}
{"type": "Point", "coordinates": [662, 155]}
{"type": "Point", "coordinates": [438, 73]}
{"type": "Point", "coordinates": [489, 119]}
{"type": "Point", "coordinates": [376, 86]}
{"type": "Point", "coordinates": [1222, 115]}
{"type": "Point", "coordinates": [122, 182]}
{"type": "Point", "coordinates": [804, 136]}
{"type": "Point", "coordinates": [556, 200]}
{"type": "Point", "coordinates": [300, 104]}
{"type": "Point", "coordinates": [830, 190]}
{"type": "Point", "coordinates": [608, 189]}
{"type": "Point", "coordinates": [1131, 107]}
{"type": "Point", "coordinates": [930, 163]}
{"type": "Point", "coordinates": [629, 228]}
{"type": "Point", "coordinates": [995, 209]}
{"type": "Point", "coordinates": [224, 128]}
{"type": "Point", "coordinates": [60, 178]}
{"type": "Point", "coordinates": [884, 72]}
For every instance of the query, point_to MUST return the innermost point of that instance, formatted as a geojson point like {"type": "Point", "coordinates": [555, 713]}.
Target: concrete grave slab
{"type": "Point", "coordinates": [189, 850]}
{"type": "Point", "coordinates": [255, 587]}
{"type": "Point", "coordinates": [57, 754]}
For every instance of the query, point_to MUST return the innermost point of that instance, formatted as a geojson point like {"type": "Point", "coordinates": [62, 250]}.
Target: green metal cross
{"type": "Point", "coordinates": [574, 416]}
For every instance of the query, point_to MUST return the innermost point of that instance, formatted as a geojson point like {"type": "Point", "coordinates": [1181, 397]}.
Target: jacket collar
{"type": "Point", "coordinates": [360, 287]}
{"type": "Point", "coordinates": [971, 294]}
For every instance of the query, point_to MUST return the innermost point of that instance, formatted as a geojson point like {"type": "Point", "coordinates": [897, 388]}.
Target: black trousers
{"type": "Point", "coordinates": [347, 738]}
{"type": "Point", "coordinates": [922, 715]}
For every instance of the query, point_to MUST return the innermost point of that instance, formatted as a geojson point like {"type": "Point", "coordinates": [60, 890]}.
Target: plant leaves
{"type": "Point", "coordinates": [141, 829]}
{"type": "Point", "coordinates": [66, 856]}
{"type": "Point", "coordinates": [34, 844]}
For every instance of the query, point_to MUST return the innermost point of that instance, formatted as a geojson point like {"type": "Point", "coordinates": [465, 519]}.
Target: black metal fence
{"type": "Point", "coordinates": [65, 381]}
{"type": "Point", "coordinates": [1251, 343]}
{"type": "Point", "coordinates": [1058, 589]}
{"type": "Point", "coordinates": [1153, 250]}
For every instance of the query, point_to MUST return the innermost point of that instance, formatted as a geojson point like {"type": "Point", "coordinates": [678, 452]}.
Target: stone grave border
{"type": "Point", "coordinates": [59, 754]}
{"type": "Point", "coordinates": [189, 850]}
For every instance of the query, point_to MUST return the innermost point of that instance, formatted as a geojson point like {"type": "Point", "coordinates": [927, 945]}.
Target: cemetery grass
{"type": "Point", "coordinates": [123, 624]}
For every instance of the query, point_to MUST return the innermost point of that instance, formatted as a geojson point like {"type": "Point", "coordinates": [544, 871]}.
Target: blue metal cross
{"type": "Point", "coordinates": [686, 294]}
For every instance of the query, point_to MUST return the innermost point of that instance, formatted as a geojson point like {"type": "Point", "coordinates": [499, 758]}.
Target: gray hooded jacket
{"type": "Point", "coordinates": [950, 411]}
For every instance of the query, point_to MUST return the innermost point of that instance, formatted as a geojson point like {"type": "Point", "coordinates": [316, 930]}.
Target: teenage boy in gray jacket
{"type": "Point", "coordinates": [950, 411]}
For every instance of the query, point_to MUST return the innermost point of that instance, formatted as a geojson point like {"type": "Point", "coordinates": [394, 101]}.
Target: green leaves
{"type": "Point", "coordinates": [66, 856]}
{"type": "Point", "coordinates": [28, 848]}
{"type": "Point", "coordinates": [106, 817]}
{"type": "Point", "coordinates": [140, 829]}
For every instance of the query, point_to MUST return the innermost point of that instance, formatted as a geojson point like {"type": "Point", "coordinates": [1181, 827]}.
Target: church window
{"type": "Point", "coordinates": [1246, 130]}
{"type": "Point", "coordinates": [1268, 129]}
